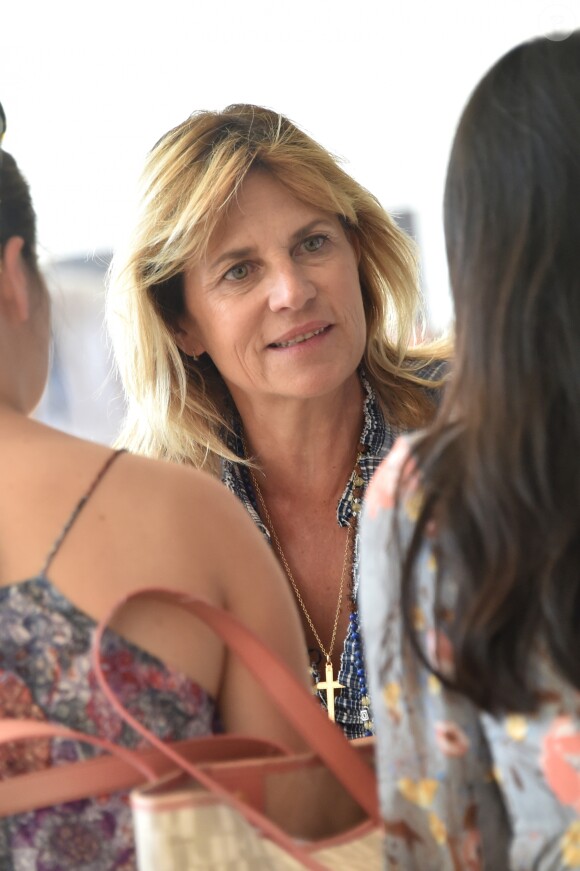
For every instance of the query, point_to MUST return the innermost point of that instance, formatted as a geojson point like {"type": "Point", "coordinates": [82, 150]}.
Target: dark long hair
{"type": "Point", "coordinates": [501, 467]}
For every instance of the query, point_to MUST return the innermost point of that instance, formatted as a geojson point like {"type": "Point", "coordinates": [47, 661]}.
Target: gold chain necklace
{"type": "Point", "coordinates": [329, 685]}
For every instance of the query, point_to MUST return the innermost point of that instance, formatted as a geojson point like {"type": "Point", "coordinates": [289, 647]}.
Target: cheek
{"type": "Point", "coordinates": [357, 305]}
{"type": "Point", "coordinates": [233, 323]}
{"type": "Point", "coordinates": [359, 325]}
{"type": "Point", "coordinates": [227, 333]}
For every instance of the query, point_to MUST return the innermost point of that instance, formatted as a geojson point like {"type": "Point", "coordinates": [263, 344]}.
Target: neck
{"type": "Point", "coordinates": [306, 448]}
{"type": "Point", "coordinates": [15, 377]}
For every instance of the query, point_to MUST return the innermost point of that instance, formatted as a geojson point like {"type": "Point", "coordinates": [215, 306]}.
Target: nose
{"type": "Point", "coordinates": [290, 287]}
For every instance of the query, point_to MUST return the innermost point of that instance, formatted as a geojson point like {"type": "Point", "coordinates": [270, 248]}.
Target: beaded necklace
{"type": "Point", "coordinates": [356, 500]}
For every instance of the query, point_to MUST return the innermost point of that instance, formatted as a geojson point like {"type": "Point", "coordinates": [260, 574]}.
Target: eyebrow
{"type": "Point", "coordinates": [241, 253]}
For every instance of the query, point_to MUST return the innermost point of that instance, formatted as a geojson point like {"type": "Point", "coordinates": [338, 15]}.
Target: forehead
{"type": "Point", "coordinates": [263, 207]}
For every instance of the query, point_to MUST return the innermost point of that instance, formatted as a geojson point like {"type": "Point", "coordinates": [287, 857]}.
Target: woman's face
{"type": "Point", "coordinates": [276, 303]}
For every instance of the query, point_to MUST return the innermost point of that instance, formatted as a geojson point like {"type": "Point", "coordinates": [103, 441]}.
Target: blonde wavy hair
{"type": "Point", "coordinates": [179, 408]}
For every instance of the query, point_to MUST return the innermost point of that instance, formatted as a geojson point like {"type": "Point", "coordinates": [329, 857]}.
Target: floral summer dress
{"type": "Point", "coordinates": [460, 789]}
{"type": "Point", "coordinates": [45, 674]}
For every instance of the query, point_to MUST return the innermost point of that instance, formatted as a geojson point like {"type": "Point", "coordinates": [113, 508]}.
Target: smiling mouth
{"type": "Point", "coordinates": [299, 339]}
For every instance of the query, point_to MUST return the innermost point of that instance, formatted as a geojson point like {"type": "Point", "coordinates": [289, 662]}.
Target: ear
{"type": "Point", "coordinates": [14, 280]}
{"type": "Point", "coordinates": [186, 337]}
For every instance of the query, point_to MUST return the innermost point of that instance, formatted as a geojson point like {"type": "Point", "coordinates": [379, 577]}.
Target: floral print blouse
{"type": "Point", "coordinates": [459, 788]}
{"type": "Point", "coordinates": [45, 674]}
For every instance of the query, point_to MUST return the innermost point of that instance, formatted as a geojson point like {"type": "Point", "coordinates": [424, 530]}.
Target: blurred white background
{"type": "Point", "coordinates": [89, 87]}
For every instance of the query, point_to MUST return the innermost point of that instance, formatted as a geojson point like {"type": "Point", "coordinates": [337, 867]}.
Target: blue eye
{"type": "Point", "coordinates": [314, 243]}
{"type": "Point", "coordinates": [237, 273]}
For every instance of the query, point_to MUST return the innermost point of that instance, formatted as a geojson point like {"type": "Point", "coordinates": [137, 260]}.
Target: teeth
{"type": "Point", "coordinates": [298, 339]}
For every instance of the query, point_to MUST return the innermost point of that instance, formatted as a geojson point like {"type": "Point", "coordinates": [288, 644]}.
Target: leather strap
{"type": "Point", "coordinates": [122, 770]}
{"type": "Point", "coordinates": [300, 708]}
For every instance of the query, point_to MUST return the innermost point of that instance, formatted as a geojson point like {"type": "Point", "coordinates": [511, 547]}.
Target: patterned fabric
{"type": "Point", "coordinates": [459, 789]}
{"type": "Point", "coordinates": [354, 717]}
{"type": "Point", "coordinates": [45, 674]}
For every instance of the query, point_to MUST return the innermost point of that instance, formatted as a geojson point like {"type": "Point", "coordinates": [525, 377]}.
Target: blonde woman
{"type": "Point", "coordinates": [81, 526]}
{"type": "Point", "coordinates": [263, 317]}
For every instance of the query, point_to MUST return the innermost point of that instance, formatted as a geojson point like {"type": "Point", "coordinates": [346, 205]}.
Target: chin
{"type": "Point", "coordinates": [318, 385]}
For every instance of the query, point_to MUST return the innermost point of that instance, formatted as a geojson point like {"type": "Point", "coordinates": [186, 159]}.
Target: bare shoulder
{"type": "Point", "coordinates": [186, 517]}
{"type": "Point", "coordinates": [180, 492]}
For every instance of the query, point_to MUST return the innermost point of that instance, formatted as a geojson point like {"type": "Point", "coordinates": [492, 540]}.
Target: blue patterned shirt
{"type": "Point", "coordinates": [352, 705]}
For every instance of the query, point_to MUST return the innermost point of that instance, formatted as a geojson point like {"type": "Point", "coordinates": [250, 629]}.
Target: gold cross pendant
{"type": "Point", "coordinates": [329, 686]}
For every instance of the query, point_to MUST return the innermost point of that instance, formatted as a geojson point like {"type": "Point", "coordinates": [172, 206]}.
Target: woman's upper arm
{"type": "Point", "coordinates": [256, 591]}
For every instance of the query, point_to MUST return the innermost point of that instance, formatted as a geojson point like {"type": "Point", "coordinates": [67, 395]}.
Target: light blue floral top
{"type": "Point", "coordinates": [459, 789]}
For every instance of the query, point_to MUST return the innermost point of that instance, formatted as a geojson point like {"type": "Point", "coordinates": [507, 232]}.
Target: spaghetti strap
{"type": "Point", "coordinates": [77, 510]}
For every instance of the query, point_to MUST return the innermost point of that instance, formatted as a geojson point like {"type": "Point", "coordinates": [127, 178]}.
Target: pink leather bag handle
{"type": "Point", "coordinates": [298, 706]}
{"type": "Point", "coordinates": [119, 770]}
{"type": "Point", "coordinates": [52, 785]}
{"type": "Point", "coordinates": [24, 730]}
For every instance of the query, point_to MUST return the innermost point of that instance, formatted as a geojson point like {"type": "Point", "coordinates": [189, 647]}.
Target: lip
{"type": "Point", "coordinates": [303, 329]}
